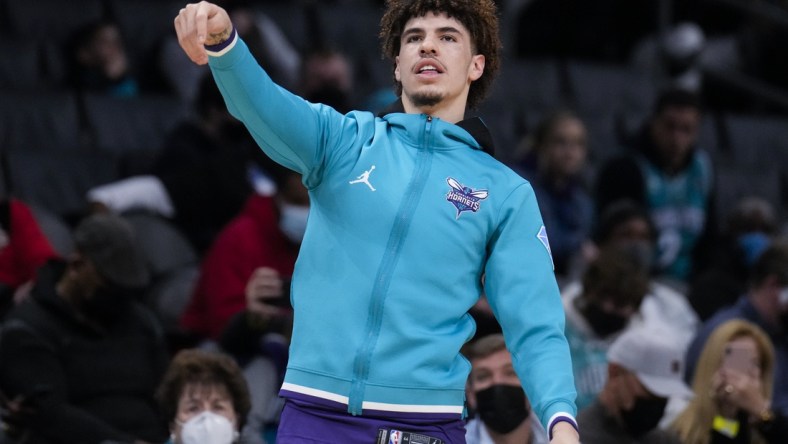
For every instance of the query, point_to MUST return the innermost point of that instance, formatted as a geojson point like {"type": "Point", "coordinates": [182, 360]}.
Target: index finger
{"type": "Point", "coordinates": [201, 21]}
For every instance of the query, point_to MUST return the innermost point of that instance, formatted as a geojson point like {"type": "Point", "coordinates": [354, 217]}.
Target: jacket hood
{"type": "Point", "coordinates": [473, 125]}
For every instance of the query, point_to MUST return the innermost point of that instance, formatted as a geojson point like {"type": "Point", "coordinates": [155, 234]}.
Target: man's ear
{"type": "Point", "coordinates": [476, 69]}
{"type": "Point", "coordinates": [396, 69]}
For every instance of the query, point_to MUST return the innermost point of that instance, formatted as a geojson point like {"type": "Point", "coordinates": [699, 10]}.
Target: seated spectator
{"type": "Point", "coordinates": [215, 148]}
{"type": "Point", "coordinates": [749, 229]}
{"type": "Point", "coordinates": [83, 352]}
{"type": "Point", "coordinates": [597, 310]}
{"type": "Point", "coordinates": [204, 398]}
{"type": "Point", "coordinates": [502, 411]}
{"type": "Point", "coordinates": [671, 177]}
{"type": "Point", "coordinates": [327, 77]}
{"type": "Point", "coordinates": [23, 249]}
{"type": "Point", "coordinates": [733, 381]}
{"type": "Point", "coordinates": [255, 251]}
{"type": "Point", "coordinates": [625, 225]}
{"type": "Point", "coordinates": [99, 62]}
{"type": "Point", "coordinates": [555, 165]}
{"type": "Point", "coordinates": [644, 372]}
{"type": "Point", "coordinates": [765, 303]}
{"type": "Point", "coordinates": [258, 338]}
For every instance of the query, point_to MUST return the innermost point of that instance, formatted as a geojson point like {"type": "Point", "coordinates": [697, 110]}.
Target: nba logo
{"type": "Point", "coordinates": [395, 437]}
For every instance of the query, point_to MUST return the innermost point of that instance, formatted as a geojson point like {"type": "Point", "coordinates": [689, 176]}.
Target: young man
{"type": "Point", "coordinates": [407, 212]}
{"type": "Point", "coordinates": [504, 414]}
{"type": "Point", "coordinates": [645, 367]}
{"type": "Point", "coordinates": [666, 172]}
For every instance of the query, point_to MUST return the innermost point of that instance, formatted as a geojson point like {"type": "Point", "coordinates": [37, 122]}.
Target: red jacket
{"type": "Point", "coordinates": [27, 247]}
{"type": "Point", "coordinates": [251, 240]}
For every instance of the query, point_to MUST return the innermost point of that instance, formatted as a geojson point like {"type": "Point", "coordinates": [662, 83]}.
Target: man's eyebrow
{"type": "Point", "coordinates": [442, 30]}
{"type": "Point", "coordinates": [412, 31]}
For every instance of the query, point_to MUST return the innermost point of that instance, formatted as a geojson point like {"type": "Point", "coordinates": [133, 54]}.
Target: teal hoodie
{"type": "Point", "coordinates": [407, 213]}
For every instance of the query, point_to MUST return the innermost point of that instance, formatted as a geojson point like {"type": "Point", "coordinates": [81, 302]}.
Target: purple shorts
{"type": "Point", "coordinates": [308, 423]}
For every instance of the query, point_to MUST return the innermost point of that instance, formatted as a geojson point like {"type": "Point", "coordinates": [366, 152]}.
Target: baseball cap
{"type": "Point", "coordinates": [108, 242]}
{"type": "Point", "coordinates": [655, 357]}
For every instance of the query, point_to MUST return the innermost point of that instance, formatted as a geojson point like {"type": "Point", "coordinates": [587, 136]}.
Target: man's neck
{"type": "Point", "coordinates": [448, 111]}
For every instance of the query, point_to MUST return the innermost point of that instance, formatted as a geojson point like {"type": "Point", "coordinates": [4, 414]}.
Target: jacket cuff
{"type": "Point", "coordinates": [222, 48]}
{"type": "Point", "coordinates": [560, 417]}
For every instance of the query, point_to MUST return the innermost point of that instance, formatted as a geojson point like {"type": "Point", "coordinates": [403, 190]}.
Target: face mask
{"type": "Point", "coordinates": [644, 416]}
{"type": "Point", "coordinates": [293, 221]}
{"type": "Point", "coordinates": [603, 323]}
{"type": "Point", "coordinates": [208, 428]}
{"type": "Point", "coordinates": [752, 245]}
{"type": "Point", "coordinates": [108, 303]}
{"type": "Point", "coordinates": [502, 407]}
{"type": "Point", "coordinates": [641, 252]}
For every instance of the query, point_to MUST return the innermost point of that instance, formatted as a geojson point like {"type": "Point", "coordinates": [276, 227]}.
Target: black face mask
{"type": "Point", "coordinates": [502, 407]}
{"type": "Point", "coordinates": [784, 321]}
{"type": "Point", "coordinates": [643, 416]}
{"type": "Point", "coordinates": [108, 303]}
{"type": "Point", "coordinates": [603, 323]}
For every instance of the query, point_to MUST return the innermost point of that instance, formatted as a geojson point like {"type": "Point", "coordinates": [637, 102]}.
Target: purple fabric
{"type": "Point", "coordinates": [405, 417]}
{"type": "Point", "coordinates": [304, 423]}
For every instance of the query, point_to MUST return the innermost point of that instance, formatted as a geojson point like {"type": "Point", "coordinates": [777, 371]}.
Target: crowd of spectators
{"type": "Point", "coordinates": [659, 162]}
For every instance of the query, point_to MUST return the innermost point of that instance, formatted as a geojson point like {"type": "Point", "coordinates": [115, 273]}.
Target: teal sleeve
{"type": "Point", "coordinates": [523, 293]}
{"type": "Point", "coordinates": [300, 135]}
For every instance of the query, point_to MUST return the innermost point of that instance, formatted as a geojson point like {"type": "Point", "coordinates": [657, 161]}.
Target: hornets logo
{"type": "Point", "coordinates": [464, 198]}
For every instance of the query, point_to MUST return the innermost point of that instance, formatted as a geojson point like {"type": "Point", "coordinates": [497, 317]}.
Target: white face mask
{"type": "Point", "coordinates": [208, 428]}
{"type": "Point", "coordinates": [293, 221]}
{"type": "Point", "coordinates": [783, 298]}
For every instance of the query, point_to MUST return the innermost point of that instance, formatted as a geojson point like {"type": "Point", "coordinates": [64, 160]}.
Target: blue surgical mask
{"type": "Point", "coordinates": [293, 221]}
{"type": "Point", "coordinates": [752, 245]}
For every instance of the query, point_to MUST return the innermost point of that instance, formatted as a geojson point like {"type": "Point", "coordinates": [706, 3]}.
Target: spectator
{"type": "Point", "coordinates": [327, 77]}
{"type": "Point", "coordinates": [242, 296]}
{"type": "Point", "coordinates": [749, 229]}
{"type": "Point", "coordinates": [23, 249]}
{"type": "Point", "coordinates": [597, 310]}
{"type": "Point", "coordinates": [556, 172]}
{"type": "Point", "coordinates": [256, 250]}
{"type": "Point", "coordinates": [736, 370]}
{"type": "Point", "coordinates": [503, 412]}
{"type": "Point", "coordinates": [644, 371]}
{"type": "Point", "coordinates": [82, 350]}
{"type": "Point", "coordinates": [671, 177]}
{"type": "Point", "coordinates": [204, 398]}
{"type": "Point", "coordinates": [626, 225]}
{"type": "Point", "coordinates": [765, 304]}
{"type": "Point", "coordinates": [214, 148]}
{"type": "Point", "coordinates": [99, 61]}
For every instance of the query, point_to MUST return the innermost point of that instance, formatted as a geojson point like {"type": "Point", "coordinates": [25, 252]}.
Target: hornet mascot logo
{"type": "Point", "coordinates": [464, 198]}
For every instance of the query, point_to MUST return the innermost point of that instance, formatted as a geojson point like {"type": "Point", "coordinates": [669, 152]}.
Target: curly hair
{"type": "Point", "coordinates": [193, 367]}
{"type": "Point", "coordinates": [480, 17]}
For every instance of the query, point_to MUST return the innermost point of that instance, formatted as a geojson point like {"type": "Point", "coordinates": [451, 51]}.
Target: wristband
{"type": "Point", "coordinates": [725, 426]}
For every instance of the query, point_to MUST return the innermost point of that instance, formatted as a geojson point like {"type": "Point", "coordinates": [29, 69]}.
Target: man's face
{"type": "Point", "coordinates": [674, 132]}
{"type": "Point", "coordinates": [491, 370]}
{"type": "Point", "coordinates": [436, 64]}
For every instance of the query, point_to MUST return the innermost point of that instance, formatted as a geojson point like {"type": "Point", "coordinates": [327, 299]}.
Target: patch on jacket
{"type": "Point", "coordinates": [464, 198]}
{"type": "Point", "coordinates": [542, 236]}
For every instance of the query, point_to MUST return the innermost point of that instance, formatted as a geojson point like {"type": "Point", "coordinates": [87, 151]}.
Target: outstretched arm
{"type": "Point", "coordinates": [200, 24]}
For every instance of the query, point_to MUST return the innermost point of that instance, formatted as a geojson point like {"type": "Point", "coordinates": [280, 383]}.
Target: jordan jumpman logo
{"type": "Point", "coordinates": [364, 178]}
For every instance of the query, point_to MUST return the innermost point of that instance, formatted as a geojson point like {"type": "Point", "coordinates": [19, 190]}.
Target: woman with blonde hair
{"type": "Point", "coordinates": [733, 385]}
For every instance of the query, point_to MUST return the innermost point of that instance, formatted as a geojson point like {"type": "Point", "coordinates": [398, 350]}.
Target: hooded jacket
{"type": "Point", "coordinates": [407, 212]}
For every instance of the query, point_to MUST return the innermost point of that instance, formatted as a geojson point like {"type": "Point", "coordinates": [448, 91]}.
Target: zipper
{"type": "Point", "coordinates": [389, 261]}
